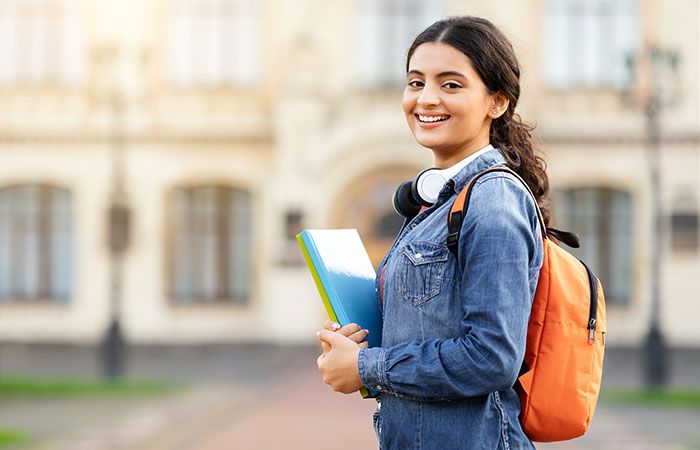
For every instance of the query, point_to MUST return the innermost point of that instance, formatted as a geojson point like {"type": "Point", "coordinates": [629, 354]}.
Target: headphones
{"type": "Point", "coordinates": [423, 190]}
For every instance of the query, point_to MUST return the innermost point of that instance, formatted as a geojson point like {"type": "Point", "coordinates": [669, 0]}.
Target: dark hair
{"type": "Point", "coordinates": [492, 56]}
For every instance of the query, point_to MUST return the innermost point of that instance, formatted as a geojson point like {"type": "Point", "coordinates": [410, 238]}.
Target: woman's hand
{"type": "Point", "coordinates": [351, 330]}
{"type": "Point", "coordinates": [338, 364]}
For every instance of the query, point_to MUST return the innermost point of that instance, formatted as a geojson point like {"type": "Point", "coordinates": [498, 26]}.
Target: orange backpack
{"type": "Point", "coordinates": [560, 378]}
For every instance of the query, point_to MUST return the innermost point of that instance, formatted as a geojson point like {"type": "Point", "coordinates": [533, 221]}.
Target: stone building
{"type": "Point", "coordinates": [157, 158]}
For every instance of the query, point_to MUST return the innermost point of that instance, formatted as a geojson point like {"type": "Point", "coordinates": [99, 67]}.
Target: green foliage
{"type": "Point", "coordinates": [673, 398]}
{"type": "Point", "coordinates": [8, 437]}
{"type": "Point", "coordinates": [36, 387]}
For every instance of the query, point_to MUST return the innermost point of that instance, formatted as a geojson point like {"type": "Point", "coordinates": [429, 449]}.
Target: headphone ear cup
{"type": "Point", "coordinates": [405, 204]}
{"type": "Point", "coordinates": [426, 180]}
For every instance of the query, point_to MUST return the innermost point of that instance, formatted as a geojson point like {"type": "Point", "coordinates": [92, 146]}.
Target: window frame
{"type": "Point", "coordinates": [47, 235]}
{"type": "Point", "coordinates": [676, 237]}
{"type": "Point", "coordinates": [373, 73]}
{"type": "Point", "coordinates": [60, 64]}
{"type": "Point", "coordinates": [602, 266]}
{"type": "Point", "coordinates": [365, 200]}
{"type": "Point", "coordinates": [224, 295]}
{"type": "Point", "coordinates": [623, 78]}
{"type": "Point", "coordinates": [227, 76]}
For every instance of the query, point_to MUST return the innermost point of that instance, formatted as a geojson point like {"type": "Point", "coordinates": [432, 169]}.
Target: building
{"type": "Point", "coordinates": [157, 158]}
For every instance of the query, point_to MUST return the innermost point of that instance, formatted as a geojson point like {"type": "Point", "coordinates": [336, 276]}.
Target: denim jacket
{"type": "Point", "coordinates": [454, 328]}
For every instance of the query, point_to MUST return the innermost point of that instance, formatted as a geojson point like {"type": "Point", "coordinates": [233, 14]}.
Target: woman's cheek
{"type": "Point", "coordinates": [408, 117]}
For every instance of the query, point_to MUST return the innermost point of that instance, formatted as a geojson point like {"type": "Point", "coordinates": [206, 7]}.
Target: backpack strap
{"type": "Point", "coordinates": [461, 203]}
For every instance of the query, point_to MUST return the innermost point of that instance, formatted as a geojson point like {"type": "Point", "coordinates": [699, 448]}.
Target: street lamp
{"type": "Point", "coordinates": [654, 71]}
{"type": "Point", "coordinates": [113, 345]}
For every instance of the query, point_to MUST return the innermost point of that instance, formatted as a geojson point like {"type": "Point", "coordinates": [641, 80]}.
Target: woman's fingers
{"type": "Point", "coordinates": [359, 336]}
{"type": "Point", "coordinates": [351, 330]}
{"type": "Point", "coordinates": [330, 325]}
{"type": "Point", "coordinates": [364, 344]}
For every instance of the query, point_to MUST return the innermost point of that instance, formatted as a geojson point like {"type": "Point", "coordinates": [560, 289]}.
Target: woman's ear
{"type": "Point", "coordinates": [499, 105]}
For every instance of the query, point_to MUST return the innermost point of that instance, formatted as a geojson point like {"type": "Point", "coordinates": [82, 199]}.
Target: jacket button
{"type": "Point", "coordinates": [418, 256]}
{"type": "Point", "coordinates": [379, 387]}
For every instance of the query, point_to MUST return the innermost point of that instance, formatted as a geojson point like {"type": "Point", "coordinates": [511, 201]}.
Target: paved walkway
{"type": "Point", "coordinates": [616, 428]}
{"type": "Point", "coordinates": [294, 410]}
{"type": "Point", "coordinates": [277, 401]}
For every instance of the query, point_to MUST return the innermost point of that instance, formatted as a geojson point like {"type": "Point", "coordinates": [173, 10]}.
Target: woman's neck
{"type": "Point", "coordinates": [444, 163]}
{"type": "Point", "coordinates": [449, 160]}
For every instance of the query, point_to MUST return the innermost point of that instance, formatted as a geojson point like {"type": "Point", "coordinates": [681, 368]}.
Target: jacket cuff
{"type": "Point", "coordinates": [370, 365]}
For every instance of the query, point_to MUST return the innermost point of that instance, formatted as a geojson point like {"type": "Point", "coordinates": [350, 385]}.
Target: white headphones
{"type": "Point", "coordinates": [429, 182]}
{"type": "Point", "coordinates": [422, 191]}
{"type": "Point", "coordinates": [425, 188]}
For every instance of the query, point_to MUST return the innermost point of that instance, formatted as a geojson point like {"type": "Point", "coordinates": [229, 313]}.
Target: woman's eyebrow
{"type": "Point", "coordinates": [451, 73]}
{"type": "Point", "coordinates": [446, 73]}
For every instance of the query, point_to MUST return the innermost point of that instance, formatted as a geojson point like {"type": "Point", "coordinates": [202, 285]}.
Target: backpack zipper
{"type": "Point", "coordinates": [592, 314]}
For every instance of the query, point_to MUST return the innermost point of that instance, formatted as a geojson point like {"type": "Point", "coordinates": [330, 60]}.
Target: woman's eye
{"type": "Point", "coordinates": [452, 85]}
{"type": "Point", "coordinates": [415, 83]}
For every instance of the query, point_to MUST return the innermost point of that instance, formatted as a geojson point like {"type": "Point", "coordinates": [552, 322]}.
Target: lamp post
{"type": "Point", "coordinates": [113, 345]}
{"type": "Point", "coordinates": [118, 219]}
{"type": "Point", "coordinates": [655, 70]}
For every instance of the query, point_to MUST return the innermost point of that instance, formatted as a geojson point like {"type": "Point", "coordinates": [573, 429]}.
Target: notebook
{"type": "Point", "coordinates": [344, 276]}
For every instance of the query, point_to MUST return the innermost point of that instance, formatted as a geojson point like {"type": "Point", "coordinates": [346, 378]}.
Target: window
{"type": "Point", "coordinates": [684, 232]}
{"type": "Point", "coordinates": [293, 225]}
{"type": "Point", "coordinates": [603, 220]}
{"type": "Point", "coordinates": [210, 244]}
{"type": "Point", "coordinates": [386, 30]}
{"type": "Point", "coordinates": [587, 42]}
{"type": "Point", "coordinates": [366, 204]}
{"type": "Point", "coordinates": [41, 41]}
{"type": "Point", "coordinates": [35, 244]}
{"type": "Point", "coordinates": [211, 42]}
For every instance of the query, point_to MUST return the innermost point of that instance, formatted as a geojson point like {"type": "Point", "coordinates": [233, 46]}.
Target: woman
{"type": "Point", "coordinates": [454, 327]}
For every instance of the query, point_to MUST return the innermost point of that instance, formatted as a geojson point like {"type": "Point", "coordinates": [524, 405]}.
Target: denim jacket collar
{"type": "Point", "coordinates": [482, 162]}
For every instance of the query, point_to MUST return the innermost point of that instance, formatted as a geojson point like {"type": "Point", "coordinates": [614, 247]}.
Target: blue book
{"type": "Point", "coordinates": [345, 280]}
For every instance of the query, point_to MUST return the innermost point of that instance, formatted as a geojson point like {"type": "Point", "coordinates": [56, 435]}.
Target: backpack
{"type": "Point", "coordinates": [560, 378]}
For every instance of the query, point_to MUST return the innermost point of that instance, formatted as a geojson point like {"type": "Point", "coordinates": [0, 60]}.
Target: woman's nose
{"type": "Point", "coordinates": [428, 96]}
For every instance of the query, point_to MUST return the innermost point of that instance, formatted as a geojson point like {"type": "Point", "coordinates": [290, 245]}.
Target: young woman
{"type": "Point", "coordinates": [454, 327]}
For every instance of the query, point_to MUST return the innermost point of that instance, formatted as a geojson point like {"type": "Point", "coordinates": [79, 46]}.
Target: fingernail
{"type": "Point", "coordinates": [335, 326]}
{"type": "Point", "coordinates": [367, 331]}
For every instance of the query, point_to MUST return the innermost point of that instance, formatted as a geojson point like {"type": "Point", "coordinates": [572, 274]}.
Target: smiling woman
{"type": "Point", "coordinates": [455, 320]}
{"type": "Point", "coordinates": [447, 105]}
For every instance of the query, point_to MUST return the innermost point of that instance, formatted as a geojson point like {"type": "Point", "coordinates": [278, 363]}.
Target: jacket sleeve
{"type": "Point", "coordinates": [499, 257]}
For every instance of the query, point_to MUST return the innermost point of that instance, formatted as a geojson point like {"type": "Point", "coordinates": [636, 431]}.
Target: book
{"type": "Point", "coordinates": [345, 279]}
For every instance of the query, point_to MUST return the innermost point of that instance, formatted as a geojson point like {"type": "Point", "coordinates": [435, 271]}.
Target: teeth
{"type": "Point", "coordinates": [432, 118]}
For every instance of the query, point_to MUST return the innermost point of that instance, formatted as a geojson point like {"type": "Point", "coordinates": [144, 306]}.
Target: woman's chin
{"type": "Point", "coordinates": [431, 142]}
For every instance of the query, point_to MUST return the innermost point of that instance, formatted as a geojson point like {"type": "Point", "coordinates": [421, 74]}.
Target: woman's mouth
{"type": "Point", "coordinates": [431, 120]}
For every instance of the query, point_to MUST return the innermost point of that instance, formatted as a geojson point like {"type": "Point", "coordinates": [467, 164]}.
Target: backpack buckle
{"type": "Point", "coordinates": [452, 239]}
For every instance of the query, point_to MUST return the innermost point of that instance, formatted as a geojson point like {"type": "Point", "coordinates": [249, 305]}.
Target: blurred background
{"type": "Point", "coordinates": [157, 158]}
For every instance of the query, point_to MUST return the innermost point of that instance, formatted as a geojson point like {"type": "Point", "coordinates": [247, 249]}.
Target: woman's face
{"type": "Point", "coordinates": [447, 105]}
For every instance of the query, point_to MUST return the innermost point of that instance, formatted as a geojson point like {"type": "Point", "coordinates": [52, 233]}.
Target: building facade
{"type": "Point", "coordinates": [157, 158]}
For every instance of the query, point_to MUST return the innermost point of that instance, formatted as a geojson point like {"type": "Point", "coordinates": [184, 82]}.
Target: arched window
{"type": "Point", "coordinates": [366, 205]}
{"type": "Point", "coordinates": [603, 220]}
{"type": "Point", "coordinates": [210, 248]}
{"type": "Point", "coordinates": [35, 243]}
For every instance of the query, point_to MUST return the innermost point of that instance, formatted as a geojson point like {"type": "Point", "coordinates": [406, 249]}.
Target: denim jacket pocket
{"type": "Point", "coordinates": [420, 270]}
